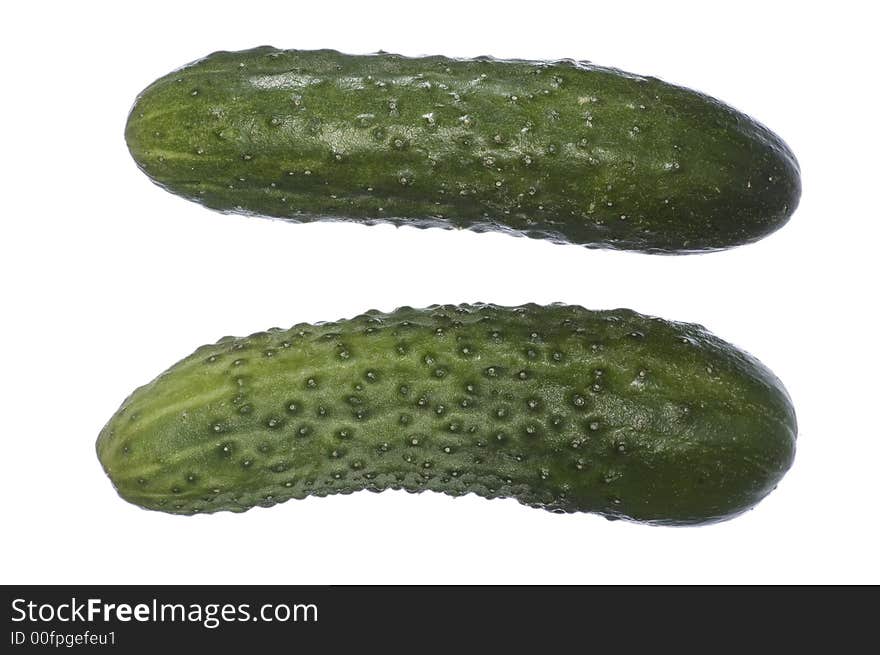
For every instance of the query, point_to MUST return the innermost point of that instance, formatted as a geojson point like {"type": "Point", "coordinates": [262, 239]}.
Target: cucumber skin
{"type": "Point", "coordinates": [559, 150]}
{"type": "Point", "coordinates": [557, 406]}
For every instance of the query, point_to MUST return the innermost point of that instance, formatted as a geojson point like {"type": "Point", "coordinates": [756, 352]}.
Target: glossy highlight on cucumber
{"type": "Point", "coordinates": [559, 150]}
{"type": "Point", "coordinates": [559, 407]}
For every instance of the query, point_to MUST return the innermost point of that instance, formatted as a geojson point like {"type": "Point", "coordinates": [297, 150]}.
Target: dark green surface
{"type": "Point", "coordinates": [559, 407]}
{"type": "Point", "coordinates": [559, 150]}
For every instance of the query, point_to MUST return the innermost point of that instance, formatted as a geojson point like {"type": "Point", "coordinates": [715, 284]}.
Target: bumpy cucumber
{"type": "Point", "coordinates": [559, 407]}
{"type": "Point", "coordinates": [560, 150]}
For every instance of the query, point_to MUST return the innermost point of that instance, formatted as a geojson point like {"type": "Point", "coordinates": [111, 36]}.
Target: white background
{"type": "Point", "coordinates": [107, 280]}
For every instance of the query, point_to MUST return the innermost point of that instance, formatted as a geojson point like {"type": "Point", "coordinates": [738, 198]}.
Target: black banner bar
{"type": "Point", "coordinates": [144, 619]}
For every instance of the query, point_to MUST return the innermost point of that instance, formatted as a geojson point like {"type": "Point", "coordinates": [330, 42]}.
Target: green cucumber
{"type": "Point", "coordinates": [560, 150]}
{"type": "Point", "coordinates": [556, 406]}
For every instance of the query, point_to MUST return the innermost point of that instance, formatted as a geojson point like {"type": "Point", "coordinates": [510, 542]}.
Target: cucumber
{"type": "Point", "coordinates": [563, 150]}
{"type": "Point", "coordinates": [557, 406]}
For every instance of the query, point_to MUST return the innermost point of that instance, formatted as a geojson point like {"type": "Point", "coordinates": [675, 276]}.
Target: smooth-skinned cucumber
{"type": "Point", "coordinates": [557, 406]}
{"type": "Point", "coordinates": [561, 150]}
